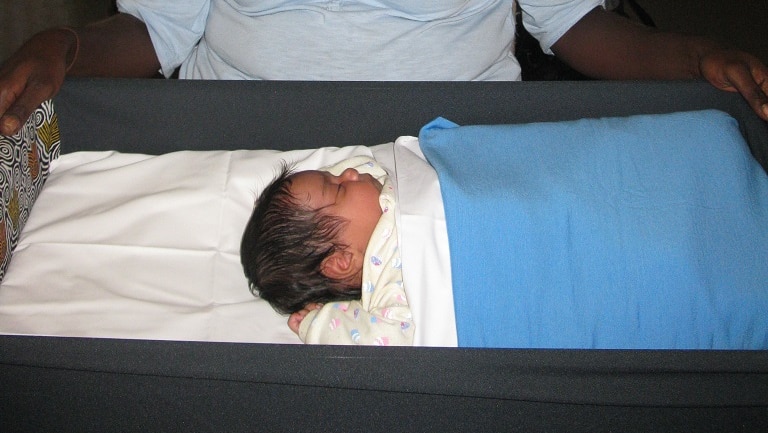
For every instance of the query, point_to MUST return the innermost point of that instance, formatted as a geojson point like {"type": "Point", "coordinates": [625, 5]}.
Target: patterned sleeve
{"type": "Point", "coordinates": [382, 317]}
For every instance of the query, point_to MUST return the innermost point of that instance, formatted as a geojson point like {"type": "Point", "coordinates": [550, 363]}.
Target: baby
{"type": "Point", "coordinates": [321, 245]}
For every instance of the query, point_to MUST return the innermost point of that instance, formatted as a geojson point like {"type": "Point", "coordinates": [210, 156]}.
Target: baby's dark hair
{"type": "Point", "coordinates": [283, 248]}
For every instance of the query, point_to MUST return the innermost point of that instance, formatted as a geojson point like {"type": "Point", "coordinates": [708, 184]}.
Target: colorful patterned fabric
{"type": "Point", "coordinates": [24, 162]}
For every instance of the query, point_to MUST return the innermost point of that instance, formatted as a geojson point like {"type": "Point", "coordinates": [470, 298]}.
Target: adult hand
{"type": "Point", "coordinates": [607, 46]}
{"type": "Point", "coordinates": [32, 75]}
{"type": "Point", "coordinates": [736, 71]}
{"type": "Point", "coordinates": [119, 46]}
{"type": "Point", "coordinates": [294, 321]}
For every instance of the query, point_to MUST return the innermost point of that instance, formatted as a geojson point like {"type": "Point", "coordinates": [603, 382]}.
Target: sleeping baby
{"type": "Point", "coordinates": [322, 246]}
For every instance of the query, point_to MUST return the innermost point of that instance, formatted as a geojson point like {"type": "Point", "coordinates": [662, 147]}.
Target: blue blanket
{"type": "Point", "coordinates": [638, 232]}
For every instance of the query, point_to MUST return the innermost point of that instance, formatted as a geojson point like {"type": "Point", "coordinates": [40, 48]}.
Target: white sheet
{"type": "Point", "coordinates": [139, 246]}
{"type": "Point", "coordinates": [424, 247]}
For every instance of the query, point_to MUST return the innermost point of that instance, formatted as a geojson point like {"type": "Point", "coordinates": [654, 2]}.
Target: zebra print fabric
{"type": "Point", "coordinates": [25, 159]}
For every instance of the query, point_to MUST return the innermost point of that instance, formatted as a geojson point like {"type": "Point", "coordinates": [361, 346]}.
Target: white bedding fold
{"type": "Point", "coordinates": [425, 252]}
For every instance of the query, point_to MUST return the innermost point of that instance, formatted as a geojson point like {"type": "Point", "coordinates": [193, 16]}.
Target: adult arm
{"type": "Point", "coordinates": [119, 46]}
{"type": "Point", "coordinates": [606, 45]}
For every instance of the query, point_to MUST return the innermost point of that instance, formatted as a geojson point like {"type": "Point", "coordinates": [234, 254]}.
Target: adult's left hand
{"type": "Point", "coordinates": [737, 71]}
{"type": "Point", "coordinates": [607, 46]}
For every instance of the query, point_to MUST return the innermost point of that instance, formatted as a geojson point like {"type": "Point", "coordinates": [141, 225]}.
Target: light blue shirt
{"type": "Point", "coordinates": [348, 40]}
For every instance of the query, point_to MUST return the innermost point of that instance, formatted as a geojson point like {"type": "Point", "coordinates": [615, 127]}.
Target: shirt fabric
{"type": "Point", "coordinates": [348, 40]}
{"type": "Point", "coordinates": [382, 317]}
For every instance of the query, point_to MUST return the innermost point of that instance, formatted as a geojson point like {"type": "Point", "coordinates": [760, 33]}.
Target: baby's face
{"type": "Point", "coordinates": [350, 195]}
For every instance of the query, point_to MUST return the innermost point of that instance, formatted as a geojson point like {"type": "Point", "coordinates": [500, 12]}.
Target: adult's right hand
{"type": "Point", "coordinates": [34, 74]}
{"type": "Point", "coordinates": [119, 46]}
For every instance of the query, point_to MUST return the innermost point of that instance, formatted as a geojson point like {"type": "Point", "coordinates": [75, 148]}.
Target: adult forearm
{"type": "Point", "coordinates": [605, 45]}
{"type": "Point", "coordinates": [119, 46]}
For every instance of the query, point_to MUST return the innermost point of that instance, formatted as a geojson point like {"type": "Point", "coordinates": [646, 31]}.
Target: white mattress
{"type": "Point", "coordinates": [147, 247]}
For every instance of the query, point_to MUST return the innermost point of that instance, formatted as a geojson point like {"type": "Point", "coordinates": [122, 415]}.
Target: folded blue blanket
{"type": "Point", "coordinates": [637, 232]}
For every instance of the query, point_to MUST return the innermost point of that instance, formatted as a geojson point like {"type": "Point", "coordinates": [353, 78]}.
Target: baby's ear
{"type": "Point", "coordinates": [339, 265]}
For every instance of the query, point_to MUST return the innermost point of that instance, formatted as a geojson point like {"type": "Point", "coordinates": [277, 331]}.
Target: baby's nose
{"type": "Point", "coordinates": [350, 174]}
